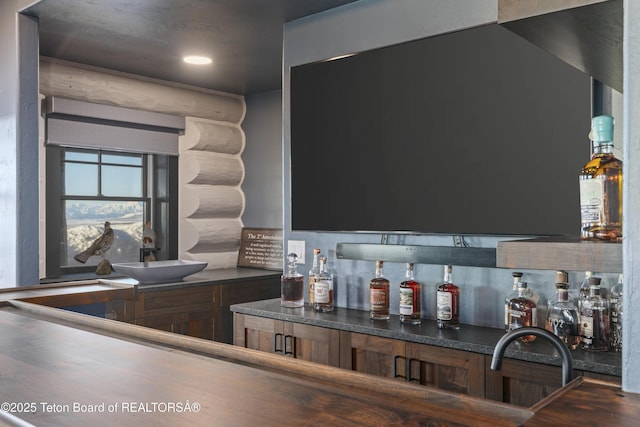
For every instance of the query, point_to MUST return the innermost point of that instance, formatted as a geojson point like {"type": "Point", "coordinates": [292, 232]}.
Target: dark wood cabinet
{"type": "Point", "coordinates": [305, 342]}
{"type": "Point", "coordinates": [518, 382]}
{"type": "Point", "coordinates": [446, 369]}
{"type": "Point", "coordinates": [187, 311]}
{"type": "Point", "coordinates": [248, 290]}
{"type": "Point", "coordinates": [521, 383]}
{"type": "Point", "coordinates": [380, 356]}
{"type": "Point", "coordinates": [201, 311]}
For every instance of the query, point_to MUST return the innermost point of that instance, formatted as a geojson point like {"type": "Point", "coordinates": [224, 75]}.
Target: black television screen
{"type": "Point", "coordinates": [472, 132]}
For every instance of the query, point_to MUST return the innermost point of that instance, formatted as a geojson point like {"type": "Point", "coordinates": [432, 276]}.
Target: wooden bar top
{"type": "Point", "coordinates": [81, 292]}
{"type": "Point", "coordinates": [60, 368]}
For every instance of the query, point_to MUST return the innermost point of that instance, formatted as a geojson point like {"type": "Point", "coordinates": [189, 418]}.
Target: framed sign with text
{"type": "Point", "coordinates": [261, 248]}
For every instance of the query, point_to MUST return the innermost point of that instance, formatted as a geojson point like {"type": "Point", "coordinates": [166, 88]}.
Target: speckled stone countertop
{"type": "Point", "coordinates": [206, 277]}
{"type": "Point", "coordinates": [475, 339]}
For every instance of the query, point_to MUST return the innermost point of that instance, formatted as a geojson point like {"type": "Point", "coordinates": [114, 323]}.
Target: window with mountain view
{"type": "Point", "coordinates": [99, 186]}
{"type": "Point", "coordinates": [85, 188]}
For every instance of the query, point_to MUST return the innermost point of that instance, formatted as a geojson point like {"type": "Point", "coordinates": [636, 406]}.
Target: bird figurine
{"type": "Point", "coordinates": [99, 246]}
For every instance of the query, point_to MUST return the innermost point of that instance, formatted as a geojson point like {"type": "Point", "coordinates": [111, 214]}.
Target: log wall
{"type": "Point", "coordinates": [211, 200]}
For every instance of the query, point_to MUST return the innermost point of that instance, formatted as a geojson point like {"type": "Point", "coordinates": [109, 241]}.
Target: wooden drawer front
{"type": "Point", "coordinates": [373, 355]}
{"type": "Point", "coordinates": [446, 369]}
{"type": "Point", "coordinates": [312, 343]}
{"type": "Point", "coordinates": [171, 301]}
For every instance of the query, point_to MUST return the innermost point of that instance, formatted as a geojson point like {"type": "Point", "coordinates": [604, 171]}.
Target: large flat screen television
{"type": "Point", "coordinates": [473, 132]}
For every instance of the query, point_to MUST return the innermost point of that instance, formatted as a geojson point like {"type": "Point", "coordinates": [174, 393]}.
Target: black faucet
{"type": "Point", "coordinates": [503, 343]}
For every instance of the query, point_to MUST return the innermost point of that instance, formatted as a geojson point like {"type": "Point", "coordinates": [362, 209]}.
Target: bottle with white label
{"type": "Point", "coordinates": [601, 186]}
{"type": "Point", "coordinates": [410, 298]}
{"type": "Point", "coordinates": [594, 319]}
{"type": "Point", "coordinates": [523, 312]}
{"type": "Point", "coordinates": [448, 302]}
{"type": "Point", "coordinates": [323, 289]}
{"type": "Point", "coordinates": [379, 295]}
{"type": "Point", "coordinates": [313, 273]}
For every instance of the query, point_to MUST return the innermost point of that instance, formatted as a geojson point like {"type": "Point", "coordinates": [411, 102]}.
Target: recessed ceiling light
{"type": "Point", "coordinates": [197, 60]}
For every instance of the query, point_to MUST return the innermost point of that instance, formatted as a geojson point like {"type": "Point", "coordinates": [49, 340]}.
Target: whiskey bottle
{"type": "Point", "coordinates": [292, 285]}
{"type": "Point", "coordinates": [594, 320]}
{"type": "Point", "coordinates": [562, 316]}
{"type": "Point", "coordinates": [410, 298]}
{"type": "Point", "coordinates": [517, 278]}
{"type": "Point", "coordinates": [323, 289]}
{"type": "Point", "coordinates": [448, 302]}
{"type": "Point", "coordinates": [615, 305]}
{"type": "Point", "coordinates": [379, 295]}
{"type": "Point", "coordinates": [601, 186]}
{"type": "Point", "coordinates": [523, 312]}
{"type": "Point", "coordinates": [312, 274]}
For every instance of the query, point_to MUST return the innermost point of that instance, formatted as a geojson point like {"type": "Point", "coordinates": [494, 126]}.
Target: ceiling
{"type": "Point", "coordinates": [149, 38]}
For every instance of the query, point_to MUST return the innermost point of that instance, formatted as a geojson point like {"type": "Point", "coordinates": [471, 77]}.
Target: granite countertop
{"type": "Point", "coordinates": [475, 339]}
{"type": "Point", "coordinates": [205, 277]}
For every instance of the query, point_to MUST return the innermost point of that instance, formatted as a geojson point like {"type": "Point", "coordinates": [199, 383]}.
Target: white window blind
{"type": "Point", "coordinates": [80, 124]}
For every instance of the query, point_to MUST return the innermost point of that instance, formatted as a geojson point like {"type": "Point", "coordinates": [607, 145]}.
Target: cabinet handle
{"type": "Point", "coordinates": [395, 368]}
{"type": "Point", "coordinates": [409, 377]}
{"type": "Point", "coordinates": [275, 343]}
{"type": "Point", "coordinates": [292, 352]}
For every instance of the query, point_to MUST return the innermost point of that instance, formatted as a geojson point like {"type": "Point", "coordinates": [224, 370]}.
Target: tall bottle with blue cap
{"type": "Point", "coordinates": [601, 186]}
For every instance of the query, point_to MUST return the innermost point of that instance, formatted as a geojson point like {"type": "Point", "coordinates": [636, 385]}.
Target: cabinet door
{"type": "Point", "coordinates": [372, 355]}
{"type": "Point", "coordinates": [197, 324]}
{"type": "Point", "coordinates": [168, 323]}
{"type": "Point", "coordinates": [521, 383]}
{"type": "Point", "coordinates": [258, 333]}
{"type": "Point", "coordinates": [312, 343]}
{"type": "Point", "coordinates": [446, 369]}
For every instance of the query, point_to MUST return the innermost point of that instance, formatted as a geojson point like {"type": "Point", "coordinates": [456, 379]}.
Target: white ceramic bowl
{"type": "Point", "coordinates": [159, 271]}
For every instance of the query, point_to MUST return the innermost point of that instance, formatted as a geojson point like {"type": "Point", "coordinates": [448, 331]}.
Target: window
{"type": "Point", "coordinates": [86, 188]}
{"type": "Point", "coordinates": [108, 164]}
{"type": "Point", "coordinates": [99, 186]}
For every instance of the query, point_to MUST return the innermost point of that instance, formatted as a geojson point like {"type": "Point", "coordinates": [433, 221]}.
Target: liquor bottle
{"type": "Point", "coordinates": [594, 320]}
{"type": "Point", "coordinates": [313, 273]}
{"type": "Point", "coordinates": [410, 298]}
{"type": "Point", "coordinates": [448, 302]}
{"type": "Point", "coordinates": [517, 278]}
{"type": "Point", "coordinates": [379, 295]}
{"type": "Point", "coordinates": [615, 305]}
{"type": "Point", "coordinates": [292, 285]}
{"type": "Point", "coordinates": [583, 291]}
{"type": "Point", "coordinates": [323, 288]}
{"type": "Point", "coordinates": [601, 186]}
{"type": "Point", "coordinates": [562, 316]}
{"type": "Point", "coordinates": [523, 312]}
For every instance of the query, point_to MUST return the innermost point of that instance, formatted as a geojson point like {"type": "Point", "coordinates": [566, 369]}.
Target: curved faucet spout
{"type": "Point", "coordinates": [503, 343]}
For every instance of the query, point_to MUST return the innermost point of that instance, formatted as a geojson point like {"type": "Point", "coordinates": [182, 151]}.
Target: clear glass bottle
{"type": "Point", "coordinates": [313, 273]}
{"type": "Point", "coordinates": [523, 312]}
{"type": "Point", "coordinates": [615, 305]}
{"type": "Point", "coordinates": [323, 288]}
{"type": "Point", "coordinates": [292, 284]}
{"type": "Point", "coordinates": [379, 295]}
{"type": "Point", "coordinates": [517, 278]}
{"type": "Point", "coordinates": [410, 298]}
{"type": "Point", "coordinates": [594, 320]}
{"type": "Point", "coordinates": [584, 291]}
{"type": "Point", "coordinates": [601, 186]}
{"type": "Point", "coordinates": [448, 302]}
{"type": "Point", "coordinates": [562, 315]}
